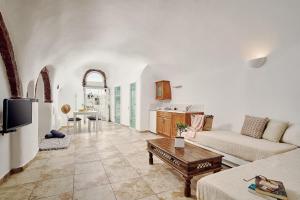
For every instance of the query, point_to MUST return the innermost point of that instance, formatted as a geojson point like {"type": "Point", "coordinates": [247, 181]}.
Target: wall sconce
{"type": "Point", "coordinates": [177, 86]}
{"type": "Point", "coordinates": [257, 62]}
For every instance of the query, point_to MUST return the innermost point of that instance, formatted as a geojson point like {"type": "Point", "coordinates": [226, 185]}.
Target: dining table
{"type": "Point", "coordinates": [87, 113]}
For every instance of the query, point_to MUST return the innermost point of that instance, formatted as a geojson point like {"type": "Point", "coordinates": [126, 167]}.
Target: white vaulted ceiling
{"type": "Point", "coordinates": [120, 34]}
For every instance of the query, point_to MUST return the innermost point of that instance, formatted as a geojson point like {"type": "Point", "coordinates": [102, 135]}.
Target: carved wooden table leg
{"type": "Point", "coordinates": [187, 189]}
{"type": "Point", "coordinates": [150, 158]}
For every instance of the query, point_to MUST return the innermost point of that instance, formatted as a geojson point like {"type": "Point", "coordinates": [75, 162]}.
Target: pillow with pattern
{"type": "Point", "coordinates": [254, 126]}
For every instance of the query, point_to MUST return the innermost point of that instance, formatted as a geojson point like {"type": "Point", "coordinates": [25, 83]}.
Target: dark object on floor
{"type": "Point", "coordinates": [48, 136]}
{"type": "Point", "coordinates": [57, 134]}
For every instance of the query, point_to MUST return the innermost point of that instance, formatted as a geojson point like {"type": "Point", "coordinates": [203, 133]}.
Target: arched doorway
{"type": "Point", "coordinates": [44, 94]}
{"type": "Point", "coordinates": [96, 92]}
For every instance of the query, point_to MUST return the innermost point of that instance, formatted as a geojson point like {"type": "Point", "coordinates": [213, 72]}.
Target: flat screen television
{"type": "Point", "coordinates": [16, 113]}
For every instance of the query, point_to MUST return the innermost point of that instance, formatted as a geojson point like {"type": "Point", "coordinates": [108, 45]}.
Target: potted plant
{"type": "Point", "coordinates": [179, 140]}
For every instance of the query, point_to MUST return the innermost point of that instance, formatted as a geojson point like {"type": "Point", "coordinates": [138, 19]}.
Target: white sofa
{"type": "Point", "coordinates": [239, 149]}
{"type": "Point", "coordinates": [275, 160]}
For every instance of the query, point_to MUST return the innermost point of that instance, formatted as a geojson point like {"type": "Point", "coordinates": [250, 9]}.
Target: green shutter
{"type": "Point", "coordinates": [118, 105]}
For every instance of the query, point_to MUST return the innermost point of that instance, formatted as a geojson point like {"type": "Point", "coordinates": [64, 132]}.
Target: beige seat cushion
{"type": "Point", "coordinates": [275, 129]}
{"type": "Point", "coordinates": [240, 146]}
{"type": "Point", "coordinates": [254, 126]}
{"type": "Point", "coordinates": [229, 184]}
{"type": "Point", "coordinates": [292, 135]}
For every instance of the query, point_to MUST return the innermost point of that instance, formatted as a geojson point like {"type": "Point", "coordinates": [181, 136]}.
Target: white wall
{"type": "Point", "coordinates": [44, 110]}
{"type": "Point", "coordinates": [217, 75]}
{"type": "Point", "coordinates": [147, 95]}
{"type": "Point", "coordinates": [124, 78]}
{"type": "Point", "coordinates": [4, 140]}
{"type": "Point", "coordinates": [18, 148]}
{"type": "Point", "coordinates": [202, 45]}
{"type": "Point", "coordinates": [24, 142]}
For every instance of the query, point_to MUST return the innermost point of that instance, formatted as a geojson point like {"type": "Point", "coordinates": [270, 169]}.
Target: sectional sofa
{"type": "Point", "coordinates": [277, 159]}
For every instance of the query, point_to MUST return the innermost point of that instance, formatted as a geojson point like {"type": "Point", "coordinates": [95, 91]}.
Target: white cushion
{"type": "Point", "coordinates": [292, 135]}
{"type": "Point", "coordinates": [274, 131]}
{"type": "Point", "coordinates": [240, 146]}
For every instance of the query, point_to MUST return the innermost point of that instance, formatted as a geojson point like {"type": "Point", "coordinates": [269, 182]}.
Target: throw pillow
{"type": "Point", "coordinates": [197, 122]}
{"type": "Point", "coordinates": [208, 122]}
{"type": "Point", "coordinates": [275, 130]}
{"type": "Point", "coordinates": [292, 135]}
{"type": "Point", "coordinates": [254, 126]}
{"type": "Point", "coordinates": [57, 134]}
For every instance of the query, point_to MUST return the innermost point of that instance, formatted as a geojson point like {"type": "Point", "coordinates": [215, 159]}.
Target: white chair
{"type": "Point", "coordinates": [76, 123]}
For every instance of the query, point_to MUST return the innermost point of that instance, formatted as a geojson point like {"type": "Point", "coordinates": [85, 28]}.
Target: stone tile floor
{"type": "Point", "coordinates": [109, 165]}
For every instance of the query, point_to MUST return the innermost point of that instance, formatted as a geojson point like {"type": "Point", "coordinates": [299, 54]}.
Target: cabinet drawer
{"type": "Point", "coordinates": [164, 114]}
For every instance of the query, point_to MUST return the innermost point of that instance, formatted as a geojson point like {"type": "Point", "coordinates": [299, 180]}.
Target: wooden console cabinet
{"type": "Point", "coordinates": [166, 121]}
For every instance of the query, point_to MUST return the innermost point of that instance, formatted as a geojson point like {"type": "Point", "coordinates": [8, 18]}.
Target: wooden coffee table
{"type": "Point", "coordinates": [188, 161]}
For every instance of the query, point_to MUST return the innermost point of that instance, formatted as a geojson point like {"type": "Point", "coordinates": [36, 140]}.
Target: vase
{"type": "Point", "coordinates": [179, 142]}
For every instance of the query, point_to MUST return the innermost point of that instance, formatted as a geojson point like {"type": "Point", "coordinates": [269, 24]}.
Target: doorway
{"type": "Point", "coordinates": [45, 107]}
{"type": "Point", "coordinates": [133, 105]}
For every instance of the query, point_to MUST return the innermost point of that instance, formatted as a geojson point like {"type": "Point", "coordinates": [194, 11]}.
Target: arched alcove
{"type": "Point", "coordinates": [44, 94]}
{"type": "Point", "coordinates": [7, 53]}
{"type": "Point", "coordinates": [31, 90]}
{"type": "Point", "coordinates": [44, 74]}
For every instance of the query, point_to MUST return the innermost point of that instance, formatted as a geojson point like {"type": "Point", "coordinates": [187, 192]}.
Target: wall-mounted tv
{"type": "Point", "coordinates": [16, 113]}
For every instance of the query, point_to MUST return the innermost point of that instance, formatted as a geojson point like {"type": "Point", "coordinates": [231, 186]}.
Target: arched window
{"type": "Point", "coordinates": [94, 78]}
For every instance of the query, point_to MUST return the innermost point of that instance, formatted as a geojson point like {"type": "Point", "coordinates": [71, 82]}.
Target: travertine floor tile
{"type": "Point", "coordinates": [89, 167]}
{"type": "Point", "coordinates": [116, 174]}
{"type": "Point", "coordinates": [162, 181]}
{"type": "Point", "coordinates": [116, 162]}
{"type": "Point", "coordinates": [62, 196]}
{"type": "Point", "coordinates": [174, 194]}
{"type": "Point", "coordinates": [53, 187]}
{"type": "Point", "coordinates": [86, 157]}
{"type": "Point", "coordinates": [18, 192]}
{"type": "Point", "coordinates": [152, 197]}
{"type": "Point", "coordinates": [132, 189]}
{"type": "Point", "coordinates": [95, 193]}
{"type": "Point", "coordinates": [85, 181]}
{"type": "Point", "coordinates": [27, 176]}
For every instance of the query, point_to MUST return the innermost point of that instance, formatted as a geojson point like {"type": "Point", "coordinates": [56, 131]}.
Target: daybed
{"type": "Point", "coordinates": [229, 184]}
{"type": "Point", "coordinates": [243, 148]}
